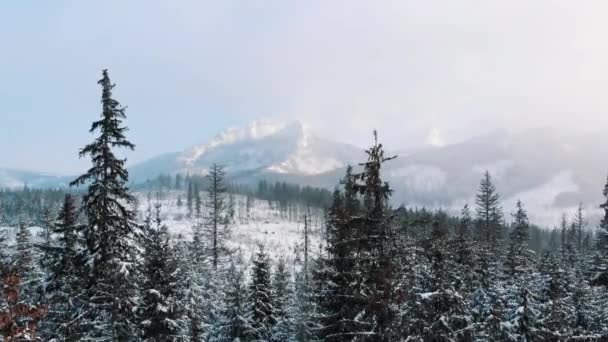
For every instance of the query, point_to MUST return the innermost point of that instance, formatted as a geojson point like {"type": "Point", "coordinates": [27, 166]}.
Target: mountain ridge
{"type": "Point", "coordinates": [550, 171]}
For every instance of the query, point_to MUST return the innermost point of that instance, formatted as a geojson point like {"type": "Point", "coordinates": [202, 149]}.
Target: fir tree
{"type": "Point", "coordinates": [160, 314]}
{"type": "Point", "coordinates": [601, 274]}
{"type": "Point", "coordinates": [260, 289]}
{"type": "Point", "coordinates": [217, 222]}
{"type": "Point", "coordinates": [190, 199]}
{"type": "Point", "coordinates": [375, 235]}
{"type": "Point", "coordinates": [111, 227]}
{"type": "Point", "coordinates": [234, 324]}
{"type": "Point", "coordinates": [580, 223]}
{"type": "Point", "coordinates": [282, 300]}
{"type": "Point", "coordinates": [519, 257]}
{"type": "Point", "coordinates": [198, 203]}
{"type": "Point", "coordinates": [489, 211]}
{"type": "Point", "coordinates": [24, 266]}
{"type": "Point", "coordinates": [66, 273]}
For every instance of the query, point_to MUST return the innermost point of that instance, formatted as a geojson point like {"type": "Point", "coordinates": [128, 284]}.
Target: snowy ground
{"type": "Point", "coordinates": [280, 235]}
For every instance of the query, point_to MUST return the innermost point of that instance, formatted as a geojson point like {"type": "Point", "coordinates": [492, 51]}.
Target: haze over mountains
{"type": "Point", "coordinates": [550, 172]}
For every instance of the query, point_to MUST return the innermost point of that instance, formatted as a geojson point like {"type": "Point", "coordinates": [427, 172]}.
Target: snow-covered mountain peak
{"type": "Point", "coordinates": [253, 131]}
{"type": "Point", "coordinates": [262, 147]}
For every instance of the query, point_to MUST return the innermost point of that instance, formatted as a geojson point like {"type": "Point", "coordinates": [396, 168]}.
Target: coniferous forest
{"type": "Point", "coordinates": [106, 266]}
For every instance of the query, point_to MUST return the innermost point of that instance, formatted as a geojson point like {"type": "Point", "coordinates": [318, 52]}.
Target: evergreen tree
{"type": "Point", "coordinates": [198, 203]}
{"type": "Point", "coordinates": [111, 227]}
{"type": "Point", "coordinates": [580, 223]}
{"type": "Point", "coordinates": [519, 259]}
{"type": "Point", "coordinates": [178, 181]}
{"type": "Point", "coordinates": [160, 314]}
{"type": "Point", "coordinates": [190, 198]}
{"type": "Point", "coordinates": [217, 221]}
{"type": "Point", "coordinates": [282, 299]}
{"type": "Point", "coordinates": [489, 212]}
{"type": "Point", "coordinates": [24, 265]}
{"type": "Point", "coordinates": [260, 292]}
{"type": "Point", "coordinates": [195, 274]}
{"type": "Point", "coordinates": [234, 324]}
{"type": "Point", "coordinates": [375, 235]}
{"type": "Point", "coordinates": [601, 274]}
{"type": "Point", "coordinates": [64, 283]}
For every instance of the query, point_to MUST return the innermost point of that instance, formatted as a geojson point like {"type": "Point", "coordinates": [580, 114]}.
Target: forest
{"type": "Point", "coordinates": [102, 265]}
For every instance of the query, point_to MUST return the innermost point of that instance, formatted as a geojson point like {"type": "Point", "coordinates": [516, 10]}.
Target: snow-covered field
{"type": "Point", "coordinates": [264, 225]}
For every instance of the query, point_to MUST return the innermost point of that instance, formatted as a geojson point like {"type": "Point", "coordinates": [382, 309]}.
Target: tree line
{"type": "Point", "coordinates": [101, 273]}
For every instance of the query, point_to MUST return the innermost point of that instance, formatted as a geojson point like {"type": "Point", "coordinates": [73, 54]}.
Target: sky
{"type": "Point", "coordinates": [418, 71]}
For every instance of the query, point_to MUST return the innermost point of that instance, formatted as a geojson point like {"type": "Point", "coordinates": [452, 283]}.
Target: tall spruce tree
{"type": "Point", "coordinates": [111, 227]}
{"type": "Point", "coordinates": [376, 243]}
{"type": "Point", "coordinates": [489, 211]}
{"type": "Point", "coordinates": [580, 224]}
{"type": "Point", "coordinates": [217, 222]}
{"type": "Point", "coordinates": [190, 198]}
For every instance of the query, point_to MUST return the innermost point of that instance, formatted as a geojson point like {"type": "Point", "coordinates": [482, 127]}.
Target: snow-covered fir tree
{"type": "Point", "coordinates": [260, 298]}
{"type": "Point", "coordinates": [111, 228]}
{"type": "Point", "coordinates": [160, 314]}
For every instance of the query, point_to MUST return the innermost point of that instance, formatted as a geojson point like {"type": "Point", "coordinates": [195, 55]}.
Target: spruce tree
{"type": "Point", "coordinates": [519, 256]}
{"type": "Point", "coordinates": [235, 321]}
{"type": "Point", "coordinates": [190, 199]}
{"type": "Point", "coordinates": [282, 296]}
{"type": "Point", "coordinates": [260, 292]}
{"type": "Point", "coordinates": [65, 283]}
{"type": "Point", "coordinates": [111, 227]}
{"type": "Point", "coordinates": [159, 312]}
{"type": "Point", "coordinates": [489, 212]}
{"type": "Point", "coordinates": [195, 274]}
{"type": "Point", "coordinates": [217, 222]}
{"type": "Point", "coordinates": [24, 265]}
{"type": "Point", "coordinates": [601, 274]}
{"type": "Point", "coordinates": [580, 224]}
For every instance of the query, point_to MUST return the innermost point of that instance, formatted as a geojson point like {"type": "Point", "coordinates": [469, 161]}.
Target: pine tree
{"type": "Point", "coordinates": [282, 300]}
{"type": "Point", "coordinates": [262, 311]}
{"type": "Point", "coordinates": [580, 223]}
{"type": "Point", "coordinates": [66, 273]}
{"type": "Point", "coordinates": [234, 324]}
{"type": "Point", "coordinates": [160, 315]}
{"type": "Point", "coordinates": [178, 181]}
{"type": "Point", "coordinates": [195, 274]}
{"type": "Point", "coordinates": [111, 227]}
{"type": "Point", "coordinates": [464, 249]}
{"type": "Point", "coordinates": [601, 276]}
{"type": "Point", "coordinates": [376, 259]}
{"type": "Point", "coordinates": [190, 199]}
{"type": "Point", "coordinates": [489, 212]}
{"type": "Point", "coordinates": [519, 257]}
{"type": "Point", "coordinates": [24, 265]}
{"type": "Point", "coordinates": [217, 222]}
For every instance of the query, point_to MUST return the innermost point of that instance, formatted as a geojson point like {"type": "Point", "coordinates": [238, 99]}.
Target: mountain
{"type": "Point", "coordinates": [287, 151]}
{"type": "Point", "coordinates": [15, 179]}
{"type": "Point", "coordinates": [550, 171]}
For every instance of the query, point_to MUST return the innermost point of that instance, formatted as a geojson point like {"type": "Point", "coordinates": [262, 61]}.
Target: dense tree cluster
{"type": "Point", "coordinates": [380, 274]}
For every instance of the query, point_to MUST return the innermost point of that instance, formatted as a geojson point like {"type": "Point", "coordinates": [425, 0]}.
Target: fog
{"type": "Point", "coordinates": [419, 71]}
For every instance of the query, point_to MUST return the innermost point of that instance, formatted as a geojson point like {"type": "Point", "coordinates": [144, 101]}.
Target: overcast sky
{"type": "Point", "coordinates": [188, 69]}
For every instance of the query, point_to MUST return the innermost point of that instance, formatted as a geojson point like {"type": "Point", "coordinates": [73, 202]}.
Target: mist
{"type": "Point", "coordinates": [415, 71]}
